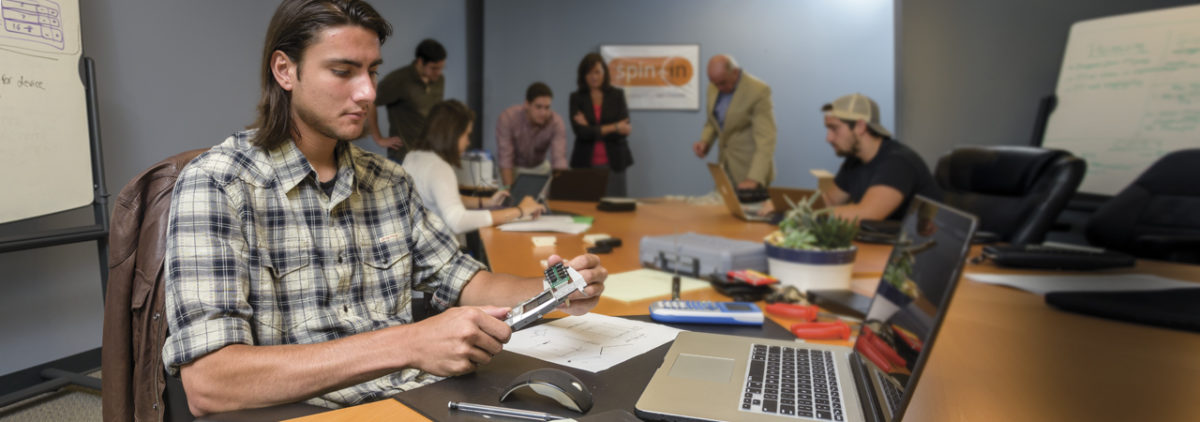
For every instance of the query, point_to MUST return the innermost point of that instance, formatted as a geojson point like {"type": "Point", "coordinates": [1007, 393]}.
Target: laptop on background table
{"type": "Point", "coordinates": [708, 377]}
{"type": "Point", "coordinates": [725, 189]}
{"type": "Point", "coordinates": [582, 184]}
{"type": "Point", "coordinates": [781, 196]}
{"type": "Point", "coordinates": [526, 184]}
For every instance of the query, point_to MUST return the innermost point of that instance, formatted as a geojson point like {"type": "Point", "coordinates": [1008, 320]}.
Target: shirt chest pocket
{"type": "Point", "coordinates": [285, 297]}
{"type": "Point", "coordinates": [387, 271]}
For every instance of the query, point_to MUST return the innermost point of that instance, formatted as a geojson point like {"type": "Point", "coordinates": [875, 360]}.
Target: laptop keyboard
{"type": "Point", "coordinates": [796, 382]}
{"type": "Point", "coordinates": [891, 394]}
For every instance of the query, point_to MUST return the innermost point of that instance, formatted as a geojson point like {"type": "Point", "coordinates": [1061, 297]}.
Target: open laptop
{"type": "Point", "coordinates": [781, 196]}
{"type": "Point", "coordinates": [725, 188]}
{"type": "Point", "coordinates": [582, 184]}
{"type": "Point", "coordinates": [527, 184]}
{"type": "Point", "coordinates": [717, 377]}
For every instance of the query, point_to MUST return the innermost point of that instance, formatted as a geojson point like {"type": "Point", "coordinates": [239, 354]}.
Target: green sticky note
{"type": "Point", "coordinates": [584, 219]}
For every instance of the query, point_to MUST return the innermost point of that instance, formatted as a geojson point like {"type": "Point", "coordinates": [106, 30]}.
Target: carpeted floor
{"type": "Point", "coordinates": [69, 404]}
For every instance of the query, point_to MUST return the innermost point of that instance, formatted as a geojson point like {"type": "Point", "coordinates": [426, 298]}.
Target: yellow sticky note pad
{"type": "Point", "coordinates": [645, 283]}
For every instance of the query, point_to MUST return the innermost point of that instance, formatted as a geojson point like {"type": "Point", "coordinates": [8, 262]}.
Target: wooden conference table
{"type": "Point", "coordinates": [1001, 355]}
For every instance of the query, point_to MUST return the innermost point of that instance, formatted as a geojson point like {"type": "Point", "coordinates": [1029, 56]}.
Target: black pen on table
{"type": "Point", "coordinates": [502, 411]}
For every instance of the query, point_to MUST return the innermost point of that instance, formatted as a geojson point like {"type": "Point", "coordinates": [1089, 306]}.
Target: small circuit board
{"type": "Point", "coordinates": [560, 282]}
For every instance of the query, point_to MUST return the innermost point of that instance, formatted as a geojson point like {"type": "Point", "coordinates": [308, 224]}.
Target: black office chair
{"type": "Point", "coordinates": [582, 184]}
{"type": "Point", "coordinates": [1158, 215]}
{"type": "Point", "coordinates": [1016, 191]}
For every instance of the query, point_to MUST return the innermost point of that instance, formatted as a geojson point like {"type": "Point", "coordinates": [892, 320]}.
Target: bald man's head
{"type": "Point", "coordinates": [723, 72]}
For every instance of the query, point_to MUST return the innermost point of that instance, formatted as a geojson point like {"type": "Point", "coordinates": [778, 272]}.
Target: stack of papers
{"type": "Point", "coordinates": [550, 223]}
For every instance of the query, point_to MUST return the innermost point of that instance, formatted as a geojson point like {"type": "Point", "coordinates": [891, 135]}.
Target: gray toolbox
{"type": "Point", "coordinates": [701, 256]}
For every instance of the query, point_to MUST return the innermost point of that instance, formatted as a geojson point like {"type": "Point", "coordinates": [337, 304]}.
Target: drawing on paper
{"type": "Point", "coordinates": [32, 24]}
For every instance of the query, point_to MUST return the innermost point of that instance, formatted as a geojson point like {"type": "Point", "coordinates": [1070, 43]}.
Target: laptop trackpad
{"type": "Point", "coordinates": [705, 368]}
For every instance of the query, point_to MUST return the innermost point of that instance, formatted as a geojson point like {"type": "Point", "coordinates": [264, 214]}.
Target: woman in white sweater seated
{"type": "Point", "coordinates": [429, 161]}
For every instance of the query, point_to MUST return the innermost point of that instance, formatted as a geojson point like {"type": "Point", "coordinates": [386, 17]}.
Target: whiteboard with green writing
{"type": "Point", "coordinates": [1128, 93]}
{"type": "Point", "coordinates": [45, 156]}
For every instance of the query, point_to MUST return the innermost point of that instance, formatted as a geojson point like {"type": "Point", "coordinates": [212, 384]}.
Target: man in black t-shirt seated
{"type": "Point", "coordinates": [880, 175]}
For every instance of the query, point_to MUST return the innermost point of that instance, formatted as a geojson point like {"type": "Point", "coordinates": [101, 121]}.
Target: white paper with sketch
{"type": "Point", "coordinates": [645, 283]}
{"type": "Point", "coordinates": [590, 342]}
{"type": "Point", "coordinates": [1042, 284]}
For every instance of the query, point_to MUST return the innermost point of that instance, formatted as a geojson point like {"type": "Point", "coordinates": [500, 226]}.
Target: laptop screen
{"type": "Point", "coordinates": [917, 282]}
{"type": "Point", "coordinates": [527, 185]}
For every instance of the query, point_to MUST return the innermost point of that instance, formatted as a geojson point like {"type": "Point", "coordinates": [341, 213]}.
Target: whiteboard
{"type": "Point", "coordinates": [45, 156]}
{"type": "Point", "coordinates": [1128, 93]}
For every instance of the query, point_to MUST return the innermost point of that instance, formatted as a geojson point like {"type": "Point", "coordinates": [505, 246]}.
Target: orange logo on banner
{"type": "Point", "coordinates": [650, 71]}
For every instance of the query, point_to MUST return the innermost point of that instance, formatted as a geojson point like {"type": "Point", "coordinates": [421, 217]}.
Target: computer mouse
{"type": "Point", "coordinates": [556, 384]}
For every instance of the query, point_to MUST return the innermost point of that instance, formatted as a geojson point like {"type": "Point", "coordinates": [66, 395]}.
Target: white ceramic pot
{"type": "Point", "coordinates": [811, 269]}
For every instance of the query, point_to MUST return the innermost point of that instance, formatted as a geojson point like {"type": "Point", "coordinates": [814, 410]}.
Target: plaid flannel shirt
{"type": "Point", "coordinates": [257, 254]}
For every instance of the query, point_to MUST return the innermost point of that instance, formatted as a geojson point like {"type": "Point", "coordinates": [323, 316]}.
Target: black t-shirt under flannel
{"type": "Point", "coordinates": [895, 165]}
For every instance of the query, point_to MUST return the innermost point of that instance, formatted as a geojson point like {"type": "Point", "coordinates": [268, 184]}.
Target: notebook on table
{"type": "Point", "coordinates": [719, 377]}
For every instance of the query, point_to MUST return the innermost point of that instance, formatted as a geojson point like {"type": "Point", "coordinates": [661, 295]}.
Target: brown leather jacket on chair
{"type": "Point", "coordinates": [134, 324]}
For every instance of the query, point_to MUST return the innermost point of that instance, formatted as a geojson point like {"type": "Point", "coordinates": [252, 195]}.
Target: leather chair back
{"type": "Point", "coordinates": [1158, 215]}
{"type": "Point", "coordinates": [1016, 191]}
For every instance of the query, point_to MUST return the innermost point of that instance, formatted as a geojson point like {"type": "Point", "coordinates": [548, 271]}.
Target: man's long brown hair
{"type": "Point", "coordinates": [293, 28]}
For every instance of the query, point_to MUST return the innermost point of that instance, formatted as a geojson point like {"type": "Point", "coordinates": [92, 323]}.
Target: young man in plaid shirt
{"type": "Point", "coordinates": [294, 257]}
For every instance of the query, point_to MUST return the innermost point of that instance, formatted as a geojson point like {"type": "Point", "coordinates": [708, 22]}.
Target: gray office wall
{"type": "Point", "coordinates": [972, 72]}
{"type": "Point", "coordinates": [809, 51]}
{"type": "Point", "coordinates": [172, 76]}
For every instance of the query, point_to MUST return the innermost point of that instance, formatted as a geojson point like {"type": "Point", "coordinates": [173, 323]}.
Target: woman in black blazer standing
{"type": "Point", "coordinates": [600, 120]}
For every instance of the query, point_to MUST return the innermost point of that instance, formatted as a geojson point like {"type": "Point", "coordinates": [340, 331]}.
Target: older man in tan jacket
{"type": "Point", "coordinates": [741, 120]}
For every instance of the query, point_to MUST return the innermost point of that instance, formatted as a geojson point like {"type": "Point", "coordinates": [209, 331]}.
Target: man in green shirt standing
{"type": "Point", "coordinates": [409, 93]}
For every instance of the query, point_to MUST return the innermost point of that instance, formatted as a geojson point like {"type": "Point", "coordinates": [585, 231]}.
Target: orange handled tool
{"type": "Point", "coordinates": [822, 330]}
{"type": "Point", "coordinates": [881, 346]}
{"type": "Point", "coordinates": [873, 355]}
{"type": "Point", "coordinates": [908, 338]}
{"type": "Point", "coordinates": [807, 313]}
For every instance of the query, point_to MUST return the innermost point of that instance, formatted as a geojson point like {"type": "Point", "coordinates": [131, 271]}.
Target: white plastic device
{"type": "Point", "coordinates": [560, 282]}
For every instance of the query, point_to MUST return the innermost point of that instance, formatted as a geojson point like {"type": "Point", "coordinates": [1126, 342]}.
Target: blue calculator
{"type": "Point", "coordinates": [705, 312]}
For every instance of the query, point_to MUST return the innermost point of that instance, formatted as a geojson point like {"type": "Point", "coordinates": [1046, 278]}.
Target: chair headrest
{"type": "Point", "coordinates": [995, 170]}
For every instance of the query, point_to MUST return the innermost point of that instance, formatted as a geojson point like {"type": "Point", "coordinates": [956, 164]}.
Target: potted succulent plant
{"type": "Point", "coordinates": [812, 249]}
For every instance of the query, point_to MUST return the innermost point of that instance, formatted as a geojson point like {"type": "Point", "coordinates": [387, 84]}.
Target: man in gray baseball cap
{"type": "Point", "coordinates": [879, 175]}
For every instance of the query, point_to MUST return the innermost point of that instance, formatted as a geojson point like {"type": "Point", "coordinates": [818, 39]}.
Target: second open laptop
{"type": "Point", "coordinates": [706, 377]}
{"type": "Point", "coordinates": [527, 184]}
{"type": "Point", "coordinates": [725, 189]}
{"type": "Point", "coordinates": [782, 198]}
